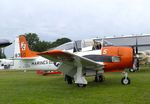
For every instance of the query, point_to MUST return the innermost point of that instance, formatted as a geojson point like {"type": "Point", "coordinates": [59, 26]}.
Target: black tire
{"type": "Point", "coordinates": [68, 79]}
{"type": "Point", "coordinates": [44, 74]}
{"type": "Point", "coordinates": [99, 78]}
{"type": "Point", "coordinates": [81, 85]}
{"type": "Point", "coordinates": [125, 81]}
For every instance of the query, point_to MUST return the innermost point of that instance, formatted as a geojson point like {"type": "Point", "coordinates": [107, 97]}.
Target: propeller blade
{"type": "Point", "coordinates": [136, 46]}
{"type": "Point", "coordinates": [136, 51]}
{"type": "Point", "coordinates": [136, 58]}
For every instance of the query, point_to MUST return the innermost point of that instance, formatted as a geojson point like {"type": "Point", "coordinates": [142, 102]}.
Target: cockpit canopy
{"type": "Point", "coordinates": [66, 46]}
{"type": "Point", "coordinates": [83, 45]}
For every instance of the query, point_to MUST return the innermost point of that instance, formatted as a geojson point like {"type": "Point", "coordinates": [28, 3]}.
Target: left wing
{"type": "Point", "coordinates": [67, 59]}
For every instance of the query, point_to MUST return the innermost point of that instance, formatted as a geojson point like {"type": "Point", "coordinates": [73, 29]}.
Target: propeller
{"type": "Point", "coordinates": [136, 47]}
{"type": "Point", "coordinates": [136, 59]}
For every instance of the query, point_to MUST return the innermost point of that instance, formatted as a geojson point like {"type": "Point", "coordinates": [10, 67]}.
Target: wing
{"type": "Point", "coordinates": [67, 60]}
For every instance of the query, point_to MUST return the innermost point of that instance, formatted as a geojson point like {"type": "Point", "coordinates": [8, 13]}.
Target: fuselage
{"type": "Point", "coordinates": [38, 63]}
{"type": "Point", "coordinates": [114, 58]}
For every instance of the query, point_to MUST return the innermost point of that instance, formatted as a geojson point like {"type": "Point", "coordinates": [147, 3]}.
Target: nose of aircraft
{"type": "Point", "coordinates": [125, 54]}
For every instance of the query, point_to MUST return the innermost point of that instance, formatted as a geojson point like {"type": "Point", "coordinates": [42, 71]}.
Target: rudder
{"type": "Point", "coordinates": [22, 49]}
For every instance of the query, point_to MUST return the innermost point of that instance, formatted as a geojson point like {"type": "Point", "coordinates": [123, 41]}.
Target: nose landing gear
{"type": "Point", "coordinates": [125, 80]}
{"type": "Point", "coordinates": [99, 78]}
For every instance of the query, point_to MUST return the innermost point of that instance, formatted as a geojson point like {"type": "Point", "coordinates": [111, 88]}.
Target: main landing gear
{"type": "Point", "coordinates": [125, 80]}
{"type": "Point", "coordinates": [68, 79]}
{"type": "Point", "coordinates": [81, 85]}
{"type": "Point", "coordinates": [99, 78]}
{"type": "Point", "coordinates": [79, 78]}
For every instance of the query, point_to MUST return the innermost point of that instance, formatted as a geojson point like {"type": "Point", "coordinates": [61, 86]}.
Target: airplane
{"type": "Point", "coordinates": [4, 43]}
{"type": "Point", "coordinates": [6, 63]}
{"type": "Point", "coordinates": [91, 60]}
{"type": "Point", "coordinates": [144, 57]}
{"type": "Point", "coordinates": [26, 59]}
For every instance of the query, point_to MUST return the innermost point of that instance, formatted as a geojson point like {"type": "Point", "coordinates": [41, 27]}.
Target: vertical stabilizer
{"type": "Point", "coordinates": [21, 48]}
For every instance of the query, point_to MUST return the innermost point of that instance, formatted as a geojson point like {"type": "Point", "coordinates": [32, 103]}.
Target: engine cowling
{"type": "Point", "coordinates": [125, 55]}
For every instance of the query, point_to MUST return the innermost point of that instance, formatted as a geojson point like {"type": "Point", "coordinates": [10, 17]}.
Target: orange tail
{"type": "Point", "coordinates": [24, 49]}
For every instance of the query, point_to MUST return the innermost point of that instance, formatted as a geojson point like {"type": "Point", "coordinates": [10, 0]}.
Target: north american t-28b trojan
{"type": "Point", "coordinates": [84, 58]}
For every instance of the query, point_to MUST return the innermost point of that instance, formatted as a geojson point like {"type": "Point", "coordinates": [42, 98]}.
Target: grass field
{"type": "Point", "coordinates": [17, 87]}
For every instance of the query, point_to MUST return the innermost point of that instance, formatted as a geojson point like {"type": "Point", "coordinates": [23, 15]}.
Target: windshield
{"type": "Point", "coordinates": [103, 42]}
{"type": "Point", "coordinates": [66, 46]}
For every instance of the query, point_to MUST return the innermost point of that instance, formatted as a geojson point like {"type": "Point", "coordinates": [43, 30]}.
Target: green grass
{"type": "Point", "coordinates": [17, 87]}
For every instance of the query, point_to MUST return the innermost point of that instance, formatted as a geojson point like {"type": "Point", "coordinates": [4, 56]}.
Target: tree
{"type": "Point", "coordinates": [33, 40]}
{"type": "Point", "coordinates": [60, 42]}
{"type": "Point", "coordinates": [35, 44]}
{"type": "Point", "coordinates": [43, 46]}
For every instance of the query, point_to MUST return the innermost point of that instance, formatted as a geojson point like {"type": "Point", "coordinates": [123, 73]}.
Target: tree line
{"type": "Point", "coordinates": [35, 44]}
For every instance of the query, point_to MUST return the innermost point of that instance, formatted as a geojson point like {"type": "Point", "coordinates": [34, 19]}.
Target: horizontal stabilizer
{"type": "Point", "coordinates": [26, 58]}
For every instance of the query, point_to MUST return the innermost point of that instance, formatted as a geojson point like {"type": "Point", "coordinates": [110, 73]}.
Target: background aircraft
{"type": "Point", "coordinates": [144, 57]}
{"type": "Point", "coordinates": [91, 59]}
{"type": "Point", "coordinates": [6, 63]}
{"type": "Point", "coordinates": [26, 59]}
{"type": "Point", "coordinates": [4, 43]}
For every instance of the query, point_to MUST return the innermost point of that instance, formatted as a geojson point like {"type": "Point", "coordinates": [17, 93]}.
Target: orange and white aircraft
{"type": "Point", "coordinates": [84, 60]}
{"type": "Point", "coordinates": [77, 59]}
{"type": "Point", "coordinates": [26, 59]}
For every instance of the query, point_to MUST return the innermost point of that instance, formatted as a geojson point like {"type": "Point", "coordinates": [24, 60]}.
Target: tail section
{"type": "Point", "coordinates": [21, 48]}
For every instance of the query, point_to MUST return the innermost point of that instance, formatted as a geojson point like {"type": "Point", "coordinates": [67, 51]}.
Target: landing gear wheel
{"type": "Point", "coordinates": [81, 85]}
{"type": "Point", "coordinates": [99, 78]}
{"type": "Point", "coordinates": [44, 73]}
{"type": "Point", "coordinates": [68, 79]}
{"type": "Point", "coordinates": [125, 81]}
{"type": "Point", "coordinates": [132, 70]}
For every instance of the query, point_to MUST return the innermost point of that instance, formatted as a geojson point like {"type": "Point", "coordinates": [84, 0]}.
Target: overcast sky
{"type": "Point", "coordinates": [75, 19]}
